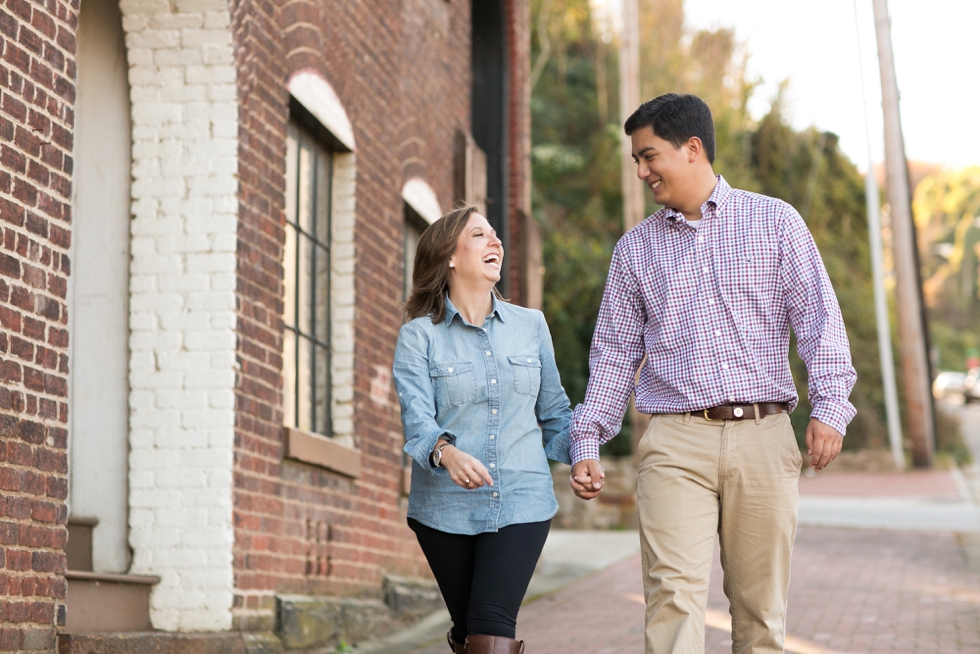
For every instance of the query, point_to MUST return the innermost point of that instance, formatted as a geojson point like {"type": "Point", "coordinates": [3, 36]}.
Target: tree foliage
{"type": "Point", "coordinates": [577, 195]}
{"type": "Point", "coordinates": [947, 215]}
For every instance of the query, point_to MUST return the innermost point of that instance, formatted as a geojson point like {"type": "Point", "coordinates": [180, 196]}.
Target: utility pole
{"type": "Point", "coordinates": [629, 100]}
{"type": "Point", "coordinates": [908, 282]}
{"type": "Point", "coordinates": [872, 203]}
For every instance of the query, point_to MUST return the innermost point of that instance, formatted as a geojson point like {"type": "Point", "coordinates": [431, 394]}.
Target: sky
{"type": "Point", "coordinates": [816, 46]}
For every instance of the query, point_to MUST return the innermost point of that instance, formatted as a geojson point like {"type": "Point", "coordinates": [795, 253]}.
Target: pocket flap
{"type": "Point", "coordinates": [525, 360]}
{"type": "Point", "coordinates": [449, 369]}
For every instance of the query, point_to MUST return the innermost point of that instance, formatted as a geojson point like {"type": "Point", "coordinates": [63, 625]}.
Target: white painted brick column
{"type": "Point", "coordinates": [182, 306]}
{"type": "Point", "coordinates": [342, 260]}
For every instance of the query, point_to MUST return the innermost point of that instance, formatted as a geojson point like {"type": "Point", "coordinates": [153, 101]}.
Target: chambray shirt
{"type": "Point", "coordinates": [711, 309]}
{"type": "Point", "coordinates": [495, 389]}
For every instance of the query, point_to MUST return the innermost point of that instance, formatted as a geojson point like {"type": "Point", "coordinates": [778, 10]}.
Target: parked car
{"type": "Point", "coordinates": [971, 385]}
{"type": "Point", "coordinates": [948, 383]}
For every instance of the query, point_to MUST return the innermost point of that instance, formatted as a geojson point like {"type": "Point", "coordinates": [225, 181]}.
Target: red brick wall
{"type": "Point", "coordinates": [404, 81]}
{"type": "Point", "coordinates": [37, 73]}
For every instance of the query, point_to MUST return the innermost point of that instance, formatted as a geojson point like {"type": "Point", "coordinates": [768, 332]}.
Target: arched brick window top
{"type": "Point", "coordinates": [318, 97]}
{"type": "Point", "coordinates": [422, 199]}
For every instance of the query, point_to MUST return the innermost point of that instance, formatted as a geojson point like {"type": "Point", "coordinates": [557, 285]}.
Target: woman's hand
{"type": "Point", "coordinates": [465, 470]}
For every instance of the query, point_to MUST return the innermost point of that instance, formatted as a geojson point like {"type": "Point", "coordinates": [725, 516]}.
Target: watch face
{"type": "Point", "coordinates": [437, 457]}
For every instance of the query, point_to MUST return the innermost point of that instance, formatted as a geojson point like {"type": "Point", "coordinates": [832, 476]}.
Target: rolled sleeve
{"type": "Point", "coordinates": [816, 318]}
{"type": "Point", "coordinates": [617, 350]}
{"type": "Point", "coordinates": [834, 414]}
{"type": "Point", "coordinates": [416, 396]}
{"type": "Point", "coordinates": [552, 407]}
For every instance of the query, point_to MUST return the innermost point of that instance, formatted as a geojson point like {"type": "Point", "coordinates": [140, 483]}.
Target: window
{"type": "Point", "coordinates": [414, 226]}
{"type": "Point", "coordinates": [306, 262]}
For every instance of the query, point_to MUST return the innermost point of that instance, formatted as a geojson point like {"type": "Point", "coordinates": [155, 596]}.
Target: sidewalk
{"type": "Point", "coordinates": [906, 588]}
{"type": "Point", "coordinates": [852, 591]}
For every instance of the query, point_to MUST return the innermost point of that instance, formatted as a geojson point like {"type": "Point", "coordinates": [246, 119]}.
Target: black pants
{"type": "Point", "coordinates": [483, 578]}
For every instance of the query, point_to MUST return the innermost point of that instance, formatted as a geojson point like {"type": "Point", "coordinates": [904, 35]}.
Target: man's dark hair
{"type": "Point", "coordinates": [676, 118]}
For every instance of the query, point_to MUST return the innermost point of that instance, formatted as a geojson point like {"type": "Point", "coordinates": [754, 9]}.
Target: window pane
{"type": "Point", "coordinates": [289, 279]}
{"type": "Point", "coordinates": [306, 182]}
{"type": "Point", "coordinates": [324, 174]}
{"type": "Point", "coordinates": [322, 391]}
{"type": "Point", "coordinates": [307, 283]}
{"type": "Point", "coordinates": [303, 378]}
{"type": "Point", "coordinates": [292, 164]}
{"type": "Point", "coordinates": [289, 378]}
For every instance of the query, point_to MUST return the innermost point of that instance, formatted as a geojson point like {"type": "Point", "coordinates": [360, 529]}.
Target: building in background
{"type": "Point", "coordinates": [208, 215]}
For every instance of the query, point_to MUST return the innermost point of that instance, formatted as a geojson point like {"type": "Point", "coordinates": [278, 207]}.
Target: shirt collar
{"type": "Point", "coordinates": [717, 198]}
{"type": "Point", "coordinates": [452, 311]}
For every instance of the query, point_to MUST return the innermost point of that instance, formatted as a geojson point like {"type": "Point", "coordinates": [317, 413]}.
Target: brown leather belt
{"type": "Point", "coordinates": [743, 411]}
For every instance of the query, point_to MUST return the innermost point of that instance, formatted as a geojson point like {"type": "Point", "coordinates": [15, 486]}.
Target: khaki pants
{"type": "Point", "coordinates": [734, 478]}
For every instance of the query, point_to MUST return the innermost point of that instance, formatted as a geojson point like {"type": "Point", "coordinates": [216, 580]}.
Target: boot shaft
{"type": "Point", "coordinates": [480, 644]}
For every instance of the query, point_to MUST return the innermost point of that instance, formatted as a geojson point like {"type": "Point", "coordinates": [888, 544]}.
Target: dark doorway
{"type": "Point", "coordinates": [491, 81]}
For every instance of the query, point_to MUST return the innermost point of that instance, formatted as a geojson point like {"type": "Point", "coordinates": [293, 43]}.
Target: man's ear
{"type": "Point", "coordinates": [695, 149]}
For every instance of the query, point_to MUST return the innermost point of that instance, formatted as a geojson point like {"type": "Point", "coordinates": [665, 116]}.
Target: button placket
{"type": "Point", "coordinates": [493, 375]}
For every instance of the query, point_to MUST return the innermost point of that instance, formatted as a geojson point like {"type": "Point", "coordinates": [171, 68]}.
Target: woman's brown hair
{"type": "Point", "coordinates": [430, 275]}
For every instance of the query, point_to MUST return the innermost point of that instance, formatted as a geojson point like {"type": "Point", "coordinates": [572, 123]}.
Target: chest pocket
{"type": "Point", "coordinates": [454, 383]}
{"type": "Point", "coordinates": [527, 374]}
{"type": "Point", "coordinates": [751, 278]}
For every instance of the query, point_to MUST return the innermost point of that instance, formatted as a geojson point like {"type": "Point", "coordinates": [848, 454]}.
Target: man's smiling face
{"type": "Point", "coordinates": [665, 169]}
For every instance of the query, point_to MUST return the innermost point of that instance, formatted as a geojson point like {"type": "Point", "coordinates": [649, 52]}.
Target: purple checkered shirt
{"type": "Point", "coordinates": [711, 308]}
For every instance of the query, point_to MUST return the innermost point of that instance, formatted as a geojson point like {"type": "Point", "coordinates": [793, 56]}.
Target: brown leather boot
{"type": "Point", "coordinates": [480, 644]}
{"type": "Point", "coordinates": [453, 645]}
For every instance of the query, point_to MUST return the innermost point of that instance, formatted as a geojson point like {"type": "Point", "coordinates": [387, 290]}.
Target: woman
{"type": "Point", "coordinates": [476, 376]}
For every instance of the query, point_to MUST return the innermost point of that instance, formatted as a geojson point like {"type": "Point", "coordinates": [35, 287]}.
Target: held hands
{"type": "Point", "coordinates": [823, 443]}
{"type": "Point", "coordinates": [464, 469]}
{"type": "Point", "coordinates": [587, 479]}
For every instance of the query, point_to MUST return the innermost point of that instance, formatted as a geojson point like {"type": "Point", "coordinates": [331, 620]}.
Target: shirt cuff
{"type": "Point", "coordinates": [420, 449]}
{"type": "Point", "coordinates": [584, 448]}
{"type": "Point", "coordinates": [836, 415]}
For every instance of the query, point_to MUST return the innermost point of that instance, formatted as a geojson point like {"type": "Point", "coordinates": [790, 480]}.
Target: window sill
{"type": "Point", "coordinates": [322, 451]}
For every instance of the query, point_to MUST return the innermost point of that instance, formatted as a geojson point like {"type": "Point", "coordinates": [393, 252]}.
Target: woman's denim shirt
{"type": "Point", "coordinates": [495, 390]}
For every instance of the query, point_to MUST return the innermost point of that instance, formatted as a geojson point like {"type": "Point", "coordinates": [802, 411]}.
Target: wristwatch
{"type": "Point", "coordinates": [436, 457]}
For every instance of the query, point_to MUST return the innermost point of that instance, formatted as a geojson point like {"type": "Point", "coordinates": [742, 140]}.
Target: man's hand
{"type": "Point", "coordinates": [587, 478]}
{"type": "Point", "coordinates": [823, 443]}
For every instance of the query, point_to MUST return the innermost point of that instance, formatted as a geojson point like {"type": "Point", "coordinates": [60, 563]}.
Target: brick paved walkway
{"type": "Point", "coordinates": [852, 591]}
{"type": "Point", "coordinates": [933, 484]}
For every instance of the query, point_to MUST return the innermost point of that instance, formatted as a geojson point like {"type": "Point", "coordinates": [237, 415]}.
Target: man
{"type": "Point", "coordinates": [707, 289]}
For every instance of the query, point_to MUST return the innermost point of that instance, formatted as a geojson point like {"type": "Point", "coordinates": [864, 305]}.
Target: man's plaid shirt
{"type": "Point", "coordinates": [711, 308]}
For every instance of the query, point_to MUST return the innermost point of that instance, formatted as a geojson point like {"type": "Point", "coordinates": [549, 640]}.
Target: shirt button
{"type": "Point", "coordinates": [717, 332]}
{"type": "Point", "coordinates": [489, 353]}
{"type": "Point", "coordinates": [493, 411]}
{"type": "Point", "coordinates": [495, 493]}
{"type": "Point", "coordinates": [724, 366]}
{"type": "Point", "coordinates": [492, 437]}
{"type": "Point", "coordinates": [700, 239]}
{"type": "Point", "coordinates": [731, 399]}
{"type": "Point", "coordinates": [493, 381]}
{"type": "Point", "coordinates": [530, 360]}
{"type": "Point", "coordinates": [705, 269]}
{"type": "Point", "coordinates": [492, 465]}
{"type": "Point", "coordinates": [711, 300]}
